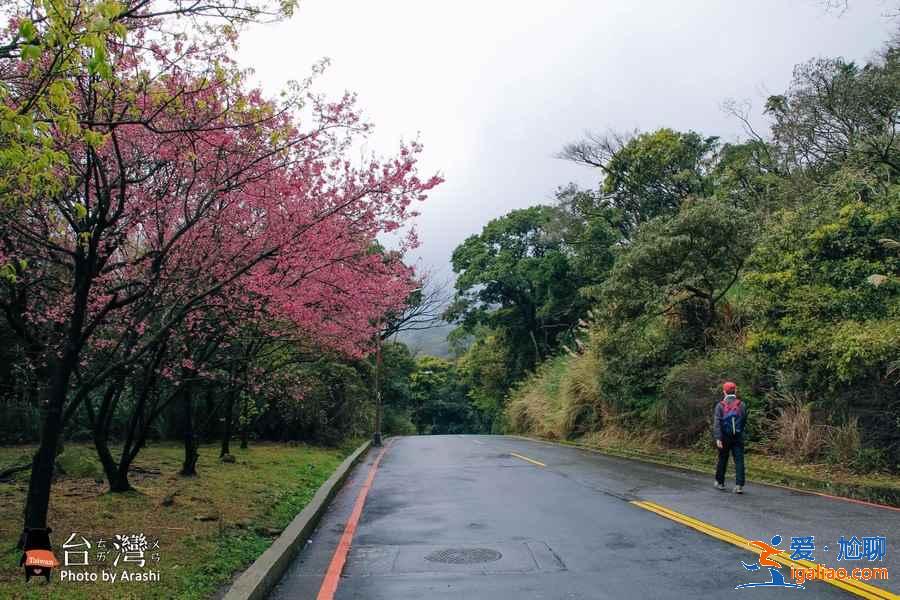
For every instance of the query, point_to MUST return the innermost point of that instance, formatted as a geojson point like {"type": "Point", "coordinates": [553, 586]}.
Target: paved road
{"type": "Point", "coordinates": [565, 530]}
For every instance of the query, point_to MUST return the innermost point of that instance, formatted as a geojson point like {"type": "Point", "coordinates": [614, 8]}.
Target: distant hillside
{"type": "Point", "coordinates": [428, 341]}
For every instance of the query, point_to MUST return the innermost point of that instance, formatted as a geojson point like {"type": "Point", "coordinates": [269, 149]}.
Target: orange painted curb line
{"type": "Point", "coordinates": [841, 498]}
{"type": "Point", "coordinates": [333, 575]}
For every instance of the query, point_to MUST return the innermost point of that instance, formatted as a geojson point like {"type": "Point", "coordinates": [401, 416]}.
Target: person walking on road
{"type": "Point", "coordinates": [728, 429]}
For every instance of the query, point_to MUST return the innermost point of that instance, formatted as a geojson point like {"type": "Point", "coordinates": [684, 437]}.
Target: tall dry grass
{"type": "Point", "coordinates": [795, 434]}
{"type": "Point", "coordinates": [534, 405]}
{"type": "Point", "coordinates": [582, 404]}
{"type": "Point", "coordinates": [614, 435]}
{"type": "Point", "coordinates": [844, 442]}
{"type": "Point", "coordinates": [561, 399]}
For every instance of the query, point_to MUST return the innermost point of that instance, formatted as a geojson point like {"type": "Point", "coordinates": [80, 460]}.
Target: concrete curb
{"type": "Point", "coordinates": [260, 577]}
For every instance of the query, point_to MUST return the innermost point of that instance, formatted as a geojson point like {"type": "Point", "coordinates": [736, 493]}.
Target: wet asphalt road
{"type": "Point", "coordinates": [562, 531]}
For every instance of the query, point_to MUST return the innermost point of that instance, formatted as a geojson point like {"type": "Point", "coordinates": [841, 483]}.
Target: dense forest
{"type": "Point", "coordinates": [771, 261]}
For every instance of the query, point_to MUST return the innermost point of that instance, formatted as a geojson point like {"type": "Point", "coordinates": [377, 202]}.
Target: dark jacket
{"type": "Point", "coordinates": [717, 419]}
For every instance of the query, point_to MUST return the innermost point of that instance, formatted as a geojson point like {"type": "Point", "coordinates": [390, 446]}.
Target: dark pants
{"type": "Point", "coordinates": [735, 445]}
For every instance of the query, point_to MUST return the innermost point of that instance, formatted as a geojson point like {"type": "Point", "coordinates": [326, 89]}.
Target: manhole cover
{"type": "Point", "coordinates": [464, 556]}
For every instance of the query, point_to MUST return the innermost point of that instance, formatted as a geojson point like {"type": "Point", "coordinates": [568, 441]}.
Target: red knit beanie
{"type": "Point", "coordinates": [729, 387]}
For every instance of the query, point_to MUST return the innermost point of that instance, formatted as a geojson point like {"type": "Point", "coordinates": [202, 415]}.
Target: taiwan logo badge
{"type": "Point", "coordinates": [38, 558]}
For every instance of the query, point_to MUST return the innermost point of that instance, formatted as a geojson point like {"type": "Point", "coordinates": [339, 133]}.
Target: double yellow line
{"type": "Point", "coordinates": [531, 460]}
{"type": "Point", "coordinates": [856, 587]}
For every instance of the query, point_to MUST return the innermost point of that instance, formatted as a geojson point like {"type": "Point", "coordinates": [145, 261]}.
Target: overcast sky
{"type": "Point", "coordinates": [494, 88]}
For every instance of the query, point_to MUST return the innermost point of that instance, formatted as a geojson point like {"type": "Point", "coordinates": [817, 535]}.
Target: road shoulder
{"type": "Point", "coordinates": [263, 575]}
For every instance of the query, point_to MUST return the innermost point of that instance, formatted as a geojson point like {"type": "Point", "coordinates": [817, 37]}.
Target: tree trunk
{"type": "Point", "coordinates": [37, 502]}
{"type": "Point", "coordinates": [189, 467]}
{"type": "Point", "coordinates": [226, 434]}
{"type": "Point", "coordinates": [134, 436]}
{"type": "Point", "coordinates": [245, 421]}
{"type": "Point", "coordinates": [537, 352]}
{"type": "Point", "coordinates": [100, 425]}
{"type": "Point", "coordinates": [376, 440]}
{"type": "Point", "coordinates": [116, 476]}
{"type": "Point", "coordinates": [120, 482]}
{"type": "Point", "coordinates": [210, 412]}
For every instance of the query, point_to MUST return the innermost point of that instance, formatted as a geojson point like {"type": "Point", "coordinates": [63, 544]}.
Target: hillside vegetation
{"type": "Point", "coordinates": [617, 312]}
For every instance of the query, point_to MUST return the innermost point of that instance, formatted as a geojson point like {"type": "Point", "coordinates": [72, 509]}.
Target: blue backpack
{"type": "Point", "coordinates": [732, 416]}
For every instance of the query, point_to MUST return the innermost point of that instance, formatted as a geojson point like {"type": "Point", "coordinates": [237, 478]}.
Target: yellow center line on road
{"type": "Point", "coordinates": [531, 460]}
{"type": "Point", "coordinates": [854, 586]}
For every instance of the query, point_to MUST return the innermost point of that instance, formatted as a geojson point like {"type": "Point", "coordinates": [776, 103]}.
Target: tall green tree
{"type": "Point", "coordinates": [488, 370]}
{"type": "Point", "coordinates": [685, 264]}
{"type": "Point", "coordinates": [517, 275]}
{"type": "Point", "coordinates": [649, 174]}
{"type": "Point", "coordinates": [589, 229]}
{"type": "Point", "coordinates": [441, 400]}
{"type": "Point", "coordinates": [836, 112]}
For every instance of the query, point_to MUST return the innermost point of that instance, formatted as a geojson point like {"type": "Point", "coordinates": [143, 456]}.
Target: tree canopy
{"type": "Point", "coordinates": [771, 261]}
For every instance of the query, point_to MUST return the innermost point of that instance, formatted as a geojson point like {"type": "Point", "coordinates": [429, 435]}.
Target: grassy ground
{"type": "Point", "coordinates": [830, 479]}
{"type": "Point", "coordinates": [218, 523]}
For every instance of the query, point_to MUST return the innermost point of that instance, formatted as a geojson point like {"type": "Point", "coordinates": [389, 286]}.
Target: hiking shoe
{"type": "Point", "coordinates": [720, 486]}
{"type": "Point", "coordinates": [738, 489]}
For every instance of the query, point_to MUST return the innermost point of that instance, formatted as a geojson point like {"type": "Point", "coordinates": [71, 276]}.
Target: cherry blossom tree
{"type": "Point", "coordinates": [182, 195]}
{"type": "Point", "coordinates": [46, 46]}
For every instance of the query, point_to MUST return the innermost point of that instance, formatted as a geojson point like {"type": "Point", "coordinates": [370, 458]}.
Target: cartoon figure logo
{"type": "Point", "coordinates": [38, 558]}
{"type": "Point", "coordinates": [765, 551]}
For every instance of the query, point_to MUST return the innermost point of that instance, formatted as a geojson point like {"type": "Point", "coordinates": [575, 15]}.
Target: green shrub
{"type": "Point", "coordinates": [397, 422]}
{"type": "Point", "coordinates": [844, 443]}
{"type": "Point", "coordinates": [635, 359]}
{"type": "Point", "coordinates": [869, 460]}
{"type": "Point", "coordinates": [80, 462]}
{"type": "Point", "coordinates": [690, 390]}
{"type": "Point", "coordinates": [816, 312]}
